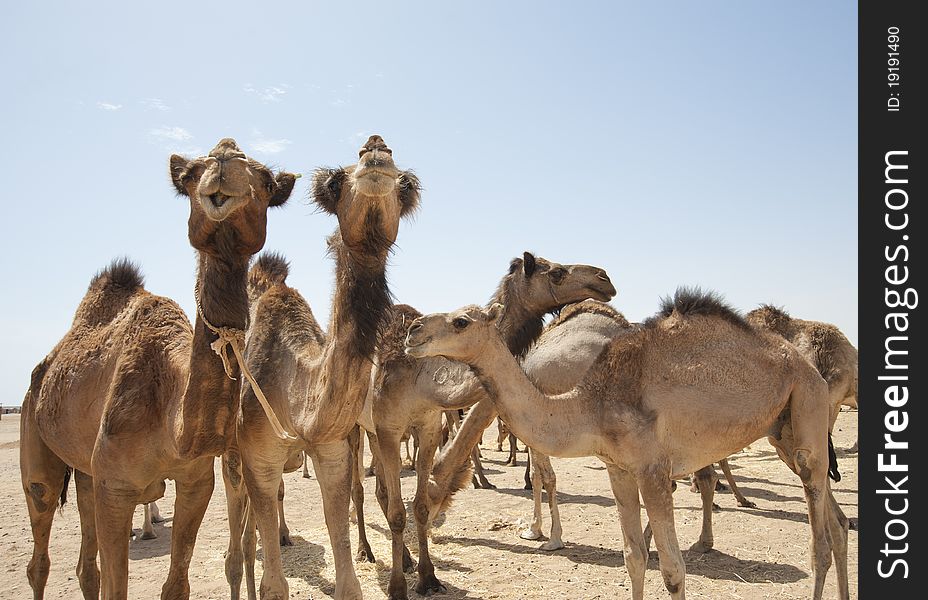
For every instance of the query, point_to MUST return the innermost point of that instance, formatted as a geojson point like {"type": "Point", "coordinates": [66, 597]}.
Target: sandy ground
{"type": "Point", "coordinates": [759, 553]}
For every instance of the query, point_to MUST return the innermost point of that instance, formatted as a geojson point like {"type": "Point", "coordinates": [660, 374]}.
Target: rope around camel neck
{"type": "Point", "coordinates": [235, 338]}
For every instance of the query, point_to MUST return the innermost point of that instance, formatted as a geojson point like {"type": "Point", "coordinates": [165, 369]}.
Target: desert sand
{"type": "Point", "coordinates": [759, 553]}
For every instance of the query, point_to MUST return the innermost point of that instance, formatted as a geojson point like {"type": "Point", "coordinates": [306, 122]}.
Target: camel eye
{"type": "Point", "coordinates": [460, 323]}
{"type": "Point", "coordinates": [557, 275]}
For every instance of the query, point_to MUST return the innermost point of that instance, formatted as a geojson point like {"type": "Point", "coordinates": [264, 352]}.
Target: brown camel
{"type": "Point", "coordinates": [132, 395]}
{"type": "Point", "coordinates": [316, 382]}
{"type": "Point", "coordinates": [824, 345]}
{"type": "Point", "coordinates": [413, 393]}
{"type": "Point", "coordinates": [694, 385]}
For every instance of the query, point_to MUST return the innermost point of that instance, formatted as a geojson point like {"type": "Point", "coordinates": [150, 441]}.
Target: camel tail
{"type": "Point", "coordinates": [832, 461]}
{"type": "Point", "coordinates": [444, 484]}
{"type": "Point", "coordinates": [64, 489]}
{"type": "Point", "coordinates": [122, 273]}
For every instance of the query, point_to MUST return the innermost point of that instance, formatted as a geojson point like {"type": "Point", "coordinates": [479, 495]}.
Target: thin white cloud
{"type": "Point", "coordinates": [266, 146]}
{"type": "Point", "coordinates": [108, 106]}
{"type": "Point", "coordinates": [155, 104]}
{"type": "Point", "coordinates": [269, 94]}
{"type": "Point", "coordinates": [177, 134]}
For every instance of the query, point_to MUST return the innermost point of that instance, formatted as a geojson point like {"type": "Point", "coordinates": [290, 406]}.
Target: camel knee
{"type": "Point", "coordinates": [396, 518]}
{"type": "Point", "coordinates": [41, 496]}
{"type": "Point", "coordinates": [636, 555]}
{"type": "Point", "coordinates": [809, 467]}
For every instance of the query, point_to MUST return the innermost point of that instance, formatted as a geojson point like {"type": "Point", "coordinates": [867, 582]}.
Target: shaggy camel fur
{"type": "Point", "coordinates": [824, 345]}
{"type": "Point", "coordinates": [408, 393]}
{"type": "Point", "coordinates": [132, 395]}
{"type": "Point", "coordinates": [316, 382]}
{"type": "Point", "coordinates": [694, 385]}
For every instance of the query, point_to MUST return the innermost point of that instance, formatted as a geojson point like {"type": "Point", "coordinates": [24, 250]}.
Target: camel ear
{"type": "Point", "coordinates": [408, 188]}
{"type": "Point", "coordinates": [327, 188]}
{"type": "Point", "coordinates": [178, 169]}
{"type": "Point", "coordinates": [285, 183]}
{"type": "Point", "coordinates": [528, 263]}
{"type": "Point", "coordinates": [494, 312]}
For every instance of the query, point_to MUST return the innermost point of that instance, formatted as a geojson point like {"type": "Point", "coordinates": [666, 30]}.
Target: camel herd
{"type": "Point", "coordinates": [134, 395]}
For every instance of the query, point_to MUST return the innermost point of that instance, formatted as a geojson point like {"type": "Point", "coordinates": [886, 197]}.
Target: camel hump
{"type": "Point", "coordinates": [693, 301]}
{"type": "Point", "coordinates": [121, 274]}
{"type": "Point", "coordinates": [392, 346]}
{"type": "Point", "coordinates": [587, 307]}
{"type": "Point", "coordinates": [770, 317]}
{"type": "Point", "coordinates": [271, 267]}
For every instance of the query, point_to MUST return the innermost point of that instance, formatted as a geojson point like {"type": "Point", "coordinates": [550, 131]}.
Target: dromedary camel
{"type": "Point", "coordinates": [132, 395]}
{"type": "Point", "coordinates": [823, 344]}
{"type": "Point", "coordinates": [565, 351]}
{"type": "Point", "coordinates": [316, 382]}
{"type": "Point", "coordinates": [413, 393]}
{"type": "Point", "coordinates": [694, 385]}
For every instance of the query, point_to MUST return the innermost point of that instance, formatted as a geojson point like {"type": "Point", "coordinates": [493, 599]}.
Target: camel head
{"type": "Point", "coordinates": [544, 286]}
{"type": "Point", "coordinates": [227, 187]}
{"type": "Point", "coordinates": [368, 198]}
{"type": "Point", "coordinates": [461, 335]}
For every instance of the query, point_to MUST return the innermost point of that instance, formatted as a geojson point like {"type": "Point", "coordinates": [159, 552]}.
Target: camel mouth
{"type": "Point", "coordinates": [218, 206]}
{"type": "Point", "coordinates": [415, 348]}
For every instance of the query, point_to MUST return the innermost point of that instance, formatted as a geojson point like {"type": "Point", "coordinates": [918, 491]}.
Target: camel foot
{"type": "Point", "coordinates": [149, 535]}
{"type": "Point", "coordinates": [487, 485]}
{"type": "Point", "coordinates": [552, 545]}
{"type": "Point", "coordinates": [716, 507]}
{"type": "Point", "coordinates": [475, 483]}
{"type": "Point", "coordinates": [720, 487]}
{"type": "Point", "coordinates": [285, 540]}
{"type": "Point", "coordinates": [369, 472]}
{"type": "Point", "coordinates": [527, 486]}
{"type": "Point", "coordinates": [853, 449]}
{"type": "Point", "coordinates": [746, 504]}
{"type": "Point", "coordinates": [701, 547]}
{"type": "Point", "coordinates": [409, 565]}
{"type": "Point", "coordinates": [694, 488]}
{"type": "Point", "coordinates": [365, 555]}
{"type": "Point", "coordinates": [512, 463]}
{"type": "Point", "coordinates": [399, 593]}
{"type": "Point", "coordinates": [852, 524]}
{"type": "Point", "coordinates": [429, 584]}
{"type": "Point", "coordinates": [306, 476]}
{"type": "Point", "coordinates": [529, 534]}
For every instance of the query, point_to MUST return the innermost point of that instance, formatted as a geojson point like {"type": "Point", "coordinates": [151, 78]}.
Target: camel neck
{"type": "Point", "coordinates": [538, 420]}
{"type": "Point", "coordinates": [359, 308]}
{"type": "Point", "coordinates": [211, 399]}
{"type": "Point", "coordinates": [519, 327]}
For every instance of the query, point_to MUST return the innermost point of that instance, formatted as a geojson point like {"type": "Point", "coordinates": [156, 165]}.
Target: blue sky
{"type": "Point", "coordinates": [710, 144]}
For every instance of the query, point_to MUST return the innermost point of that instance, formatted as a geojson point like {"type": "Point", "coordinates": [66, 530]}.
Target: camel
{"type": "Point", "coordinates": [694, 385]}
{"type": "Point", "coordinates": [317, 382]}
{"type": "Point", "coordinates": [823, 344]}
{"type": "Point", "coordinates": [413, 393]}
{"type": "Point", "coordinates": [151, 516]}
{"type": "Point", "coordinates": [132, 395]}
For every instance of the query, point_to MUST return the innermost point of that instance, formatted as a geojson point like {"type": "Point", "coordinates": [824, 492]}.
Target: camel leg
{"type": "Point", "coordinates": [88, 575]}
{"type": "Point", "coordinates": [388, 479]}
{"type": "Point", "coordinates": [480, 478]}
{"type": "Point", "coordinates": [625, 490]}
{"type": "Point", "coordinates": [658, 498]}
{"type": "Point", "coordinates": [705, 479]}
{"type": "Point", "coordinates": [44, 477]}
{"type": "Point", "coordinates": [502, 434]}
{"type": "Point", "coordinates": [428, 443]}
{"type": "Point", "coordinates": [356, 441]}
{"type": "Point", "coordinates": [534, 530]}
{"type": "Point", "coordinates": [236, 505]}
{"type": "Point", "coordinates": [334, 465]}
{"type": "Point", "coordinates": [305, 466]}
{"type": "Point", "coordinates": [837, 529]}
{"type": "Point", "coordinates": [262, 483]}
{"type": "Point", "coordinates": [193, 494]}
{"type": "Point", "coordinates": [527, 476]}
{"type": "Point", "coordinates": [283, 530]}
{"type": "Point", "coordinates": [513, 448]}
{"type": "Point", "coordinates": [250, 549]}
{"type": "Point", "coordinates": [742, 501]}
{"type": "Point", "coordinates": [549, 481]}
{"type": "Point", "coordinates": [148, 531]}
{"type": "Point", "coordinates": [114, 507]}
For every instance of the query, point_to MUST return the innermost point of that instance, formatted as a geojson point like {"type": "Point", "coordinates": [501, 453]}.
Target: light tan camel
{"type": "Point", "coordinates": [316, 382]}
{"type": "Point", "coordinates": [408, 393]}
{"type": "Point", "coordinates": [565, 351]}
{"type": "Point", "coordinates": [823, 344]}
{"type": "Point", "coordinates": [132, 395]}
{"type": "Point", "coordinates": [696, 384]}
{"type": "Point", "coordinates": [150, 516]}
